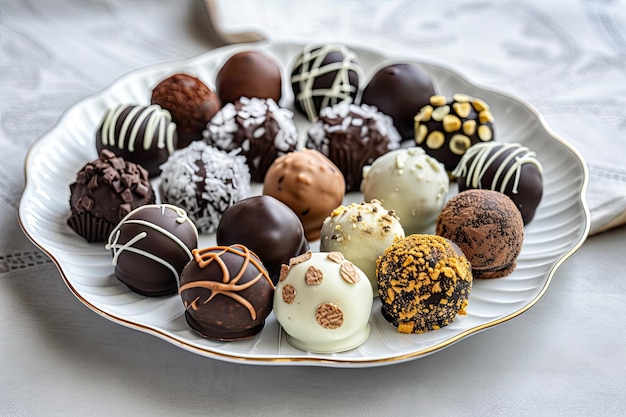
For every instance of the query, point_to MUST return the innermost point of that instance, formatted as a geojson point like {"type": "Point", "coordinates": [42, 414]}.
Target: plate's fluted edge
{"type": "Point", "coordinates": [312, 360]}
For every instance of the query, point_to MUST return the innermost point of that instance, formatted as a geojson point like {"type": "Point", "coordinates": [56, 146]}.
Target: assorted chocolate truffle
{"type": "Point", "coordinates": [509, 168]}
{"type": "Point", "coordinates": [150, 248]}
{"type": "Point", "coordinates": [424, 282]}
{"type": "Point", "coordinates": [267, 227]}
{"type": "Point", "coordinates": [361, 231]}
{"type": "Point", "coordinates": [308, 183]}
{"type": "Point", "coordinates": [446, 129]}
{"type": "Point", "coordinates": [144, 135]}
{"type": "Point", "coordinates": [323, 302]}
{"type": "Point", "coordinates": [204, 181]}
{"type": "Point", "coordinates": [259, 127]}
{"type": "Point", "coordinates": [191, 103]}
{"type": "Point", "coordinates": [105, 191]}
{"type": "Point", "coordinates": [323, 76]}
{"type": "Point", "coordinates": [352, 136]}
{"type": "Point", "coordinates": [409, 182]}
{"type": "Point", "coordinates": [249, 74]}
{"type": "Point", "coordinates": [226, 292]}
{"type": "Point", "coordinates": [399, 90]}
{"type": "Point", "coordinates": [488, 228]}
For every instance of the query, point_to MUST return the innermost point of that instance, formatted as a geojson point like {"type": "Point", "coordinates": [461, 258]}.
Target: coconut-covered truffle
{"type": "Point", "coordinates": [488, 228]}
{"type": "Point", "coordinates": [352, 136]}
{"type": "Point", "coordinates": [191, 103]}
{"type": "Point", "coordinates": [105, 191]}
{"type": "Point", "coordinates": [262, 129]}
{"type": "Point", "coordinates": [446, 129]}
{"type": "Point", "coordinates": [424, 282]}
{"type": "Point", "coordinates": [509, 168]}
{"type": "Point", "coordinates": [144, 135]}
{"type": "Point", "coordinates": [205, 182]}
{"type": "Point", "coordinates": [323, 76]}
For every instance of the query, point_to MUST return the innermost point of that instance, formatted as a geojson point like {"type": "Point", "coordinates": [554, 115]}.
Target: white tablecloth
{"type": "Point", "coordinates": [565, 356]}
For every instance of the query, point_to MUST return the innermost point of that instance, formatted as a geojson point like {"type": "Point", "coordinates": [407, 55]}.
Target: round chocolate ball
{"type": "Point", "coordinates": [249, 74]}
{"type": "Point", "coordinates": [267, 227]}
{"type": "Point", "coordinates": [191, 103]}
{"type": "Point", "coordinates": [400, 91]}
{"type": "Point", "coordinates": [226, 292]}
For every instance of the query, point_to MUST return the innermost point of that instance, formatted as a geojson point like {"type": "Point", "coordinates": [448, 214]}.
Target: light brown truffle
{"type": "Point", "coordinates": [488, 228]}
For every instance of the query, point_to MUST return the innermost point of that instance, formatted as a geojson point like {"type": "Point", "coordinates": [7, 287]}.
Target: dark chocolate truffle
{"type": "Point", "coordinates": [144, 135]}
{"type": "Point", "coordinates": [226, 292]}
{"type": "Point", "coordinates": [205, 181]}
{"type": "Point", "coordinates": [352, 136]}
{"type": "Point", "coordinates": [447, 129]}
{"type": "Point", "coordinates": [488, 228]}
{"type": "Point", "coordinates": [150, 248]}
{"type": "Point", "coordinates": [259, 127]}
{"type": "Point", "coordinates": [267, 227]}
{"type": "Point", "coordinates": [191, 103]}
{"type": "Point", "coordinates": [105, 191]}
{"type": "Point", "coordinates": [324, 76]}
{"type": "Point", "coordinates": [249, 74]}
{"type": "Point", "coordinates": [400, 90]}
{"type": "Point", "coordinates": [509, 168]}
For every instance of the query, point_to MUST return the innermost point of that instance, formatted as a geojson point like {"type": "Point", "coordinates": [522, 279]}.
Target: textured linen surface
{"type": "Point", "coordinates": [565, 356]}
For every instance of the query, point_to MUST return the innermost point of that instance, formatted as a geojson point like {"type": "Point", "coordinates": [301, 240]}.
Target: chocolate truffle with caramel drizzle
{"type": "Point", "coordinates": [227, 293]}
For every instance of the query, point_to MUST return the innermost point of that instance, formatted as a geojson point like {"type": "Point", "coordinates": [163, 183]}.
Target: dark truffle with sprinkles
{"type": "Point", "coordinates": [446, 129]}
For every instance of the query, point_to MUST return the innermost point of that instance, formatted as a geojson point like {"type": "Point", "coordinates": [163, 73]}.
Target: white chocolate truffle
{"type": "Point", "coordinates": [411, 183]}
{"type": "Point", "coordinates": [361, 231]}
{"type": "Point", "coordinates": [323, 302]}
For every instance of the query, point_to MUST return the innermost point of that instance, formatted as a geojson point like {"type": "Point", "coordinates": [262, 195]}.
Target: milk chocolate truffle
{"type": "Point", "coordinates": [226, 292]}
{"type": "Point", "coordinates": [488, 228]}
{"type": "Point", "coordinates": [205, 182]}
{"type": "Point", "coordinates": [261, 128]}
{"type": "Point", "coordinates": [308, 183]}
{"type": "Point", "coordinates": [150, 248]}
{"type": "Point", "coordinates": [249, 74]}
{"type": "Point", "coordinates": [105, 191]}
{"type": "Point", "coordinates": [361, 231]}
{"type": "Point", "coordinates": [352, 136]}
{"type": "Point", "coordinates": [424, 282]}
{"type": "Point", "coordinates": [267, 227]}
{"type": "Point", "coordinates": [509, 168]}
{"type": "Point", "coordinates": [446, 129]}
{"type": "Point", "coordinates": [144, 135]}
{"type": "Point", "coordinates": [400, 91]}
{"type": "Point", "coordinates": [191, 103]}
{"type": "Point", "coordinates": [323, 76]}
{"type": "Point", "coordinates": [324, 303]}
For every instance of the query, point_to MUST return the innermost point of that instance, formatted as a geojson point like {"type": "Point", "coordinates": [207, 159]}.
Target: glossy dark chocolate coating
{"type": "Point", "coordinates": [267, 227]}
{"type": "Point", "coordinates": [249, 74]}
{"type": "Point", "coordinates": [400, 91]}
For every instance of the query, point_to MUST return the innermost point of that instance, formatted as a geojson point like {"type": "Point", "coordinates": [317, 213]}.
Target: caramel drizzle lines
{"type": "Point", "coordinates": [228, 287]}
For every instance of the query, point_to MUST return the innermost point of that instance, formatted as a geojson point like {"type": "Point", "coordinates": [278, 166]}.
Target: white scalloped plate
{"type": "Point", "coordinates": [557, 231]}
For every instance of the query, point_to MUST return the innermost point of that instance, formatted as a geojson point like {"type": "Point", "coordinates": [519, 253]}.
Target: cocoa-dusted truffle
{"type": "Point", "coordinates": [400, 91]}
{"type": "Point", "coordinates": [310, 184]}
{"type": "Point", "coordinates": [446, 129]}
{"type": "Point", "coordinates": [488, 228]}
{"type": "Point", "coordinates": [249, 74]}
{"type": "Point", "coordinates": [150, 248]}
{"type": "Point", "coordinates": [267, 227]}
{"type": "Point", "coordinates": [226, 292]}
{"type": "Point", "coordinates": [144, 135]}
{"type": "Point", "coordinates": [259, 127]}
{"type": "Point", "coordinates": [352, 136]}
{"type": "Point", "coordinates": [205, 182]}
{"type": "Point", "coordinates": [323, 76]}
{"type": "Point", "coordinates": [105, 191]}
{"type": "Point", "coordinates": [424, 282]}
{"type": "Point", "coordinates": [191, 103]}
{"type": "Point", "coordinates": [510, 168]}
